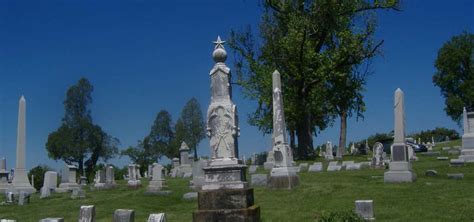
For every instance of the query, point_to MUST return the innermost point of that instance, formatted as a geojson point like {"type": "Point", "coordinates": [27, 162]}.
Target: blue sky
{"type": "Point", "coordinates": [144, 56]}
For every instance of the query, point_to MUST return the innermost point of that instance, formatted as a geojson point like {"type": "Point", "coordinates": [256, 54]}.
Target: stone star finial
{"type": "Point", "coordinates": [219, 43]}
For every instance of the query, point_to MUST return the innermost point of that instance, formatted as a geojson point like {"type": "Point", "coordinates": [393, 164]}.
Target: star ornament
{"type": "Point", "coordinates": [219, 43]}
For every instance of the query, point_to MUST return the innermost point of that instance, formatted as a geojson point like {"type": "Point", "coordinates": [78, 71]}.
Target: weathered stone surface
{"type": "Point", "coordinates": [316, 167]}
{"type": "Point", "coordinates": [456, 162]}
{"type": "Point", "coordinates": [258, 180]}
{"type": "Point", "coordinates": [190, 196]}
{"type": "Point", "coordinates": [68, 179]}
{"type": "Point", "coordinates": [157, 182]}
{"type": "Point", "coordinates": [329, 153]}
{"type": "Point", "coordinates": [20, 180]}
{"type": "Point", "coordinates": [442, 158]}
{"type": "Point", "coordinates": [50, 180]}
{"type": "Point", "coordinates": [133, 176]}
{"type": "Point", "coordinates": [198, 174]}
{"type": "Point", "coordinates": [446, 148]}
{"type": "Point", "coordinates": [253, 169]}
{"type": "Point", "coordinates": [456, 176]}
{"type": "Point", "coordinates": [161, 217]}
{"type": "Point", "coordinates": [431, 153]}
{"type": "Point", "coordinates": [431, 173]}
{"type": "Point", "coordinates": [23, 198]}
{"type": "Point", "coordinates": [453, 152]}
{"type": "Point", "coordinates": [283, 178]}
{"type": "Point", "coordinates": [303, 167]}
{"type": "Point", "coordinates": [333, 163]}
{"type": "Point", "coordinates": [334, 168]}
{"type": "Point", "coordinates": [50, 219]}
{"type": "Point", "coordinates": [378, 155]}
{"type": "Point", "coordinates": [268, 165]}
{"type": "Point", "coordinates": [353, 166]}
{"type": "Point", "coordinates": [45, 192]}
{"type": "Point", "coordinates": [87, 214]}
{"type": "Point", "coordinates": [365, 208]}
{"type": "Point", "coordinates": [345, 163]}
{"type": "Point", "coordinates": [124, 215]}
{"type": "Point", "coordinates": [78, 194]}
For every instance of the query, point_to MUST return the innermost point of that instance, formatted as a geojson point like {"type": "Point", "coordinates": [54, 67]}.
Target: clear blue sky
{"type": "Point", "coordinates": [150, 55]}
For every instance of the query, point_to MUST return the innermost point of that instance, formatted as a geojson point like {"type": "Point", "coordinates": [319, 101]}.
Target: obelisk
{"type": "Point", "coordinates": [225, 193]}
{"type": "Point", "coordinates": [283, 174]}
{"type": "Point", "coordinates": [400, 166]}
{"type": "Point", "coordinates": [20, 179]}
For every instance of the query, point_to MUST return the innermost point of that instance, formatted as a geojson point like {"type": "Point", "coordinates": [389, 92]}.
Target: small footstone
{"type": "Point", "coordinates": [455, 176]}
{"type": "Point", "coordinates": [157, 217]}
{"type": "Point", "coordinates": [7, 220]}
{"type": "Point", "coordinates": [353, 166]}
{"type": "Point", "coordinates": [453, 152]}
{"type": "Point", "coordinates": [365, 209]}
{"type": "Point", "coordinates": [446, 148]}
{"type": "Point", "coordinates": [456, 162]}
{"type": "Point", "coordinates": [442, 158]}
{"type": "Point", "coordinates": [303, 167]}
{"type": "Point", "coordinates": [124, 215]}
{"type": "Point", "coordinates": [52, 220]}
{"type": "Point", "coordinates": [316, 167]}
{"type": "Point", "coordinates": [430, 153]}
{"type": "Point", "coordinates": [190, 196]}
{"type": "Point", "coordinates": [87, 214]}
{"type": "Point", "coordinates": [334, 168]}
{"type": "Point", "coordinates": [259, 180]}
{"type": "Point", "coordinates": [431, 173]}
{"type": "Point", "coordinates": [78, 194]}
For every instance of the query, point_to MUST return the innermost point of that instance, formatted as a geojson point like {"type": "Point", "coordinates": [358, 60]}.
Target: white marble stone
{"type": "Point", "coordinates": [329, 153]}
{"type": "Point", "coordinates": [253, 169]}
{"type": "Point", "coordinates": [353, 166]}
{"type": "Point", "coordinates": [20, 180]}
{"type": "Point", "coordinates": [68, 179]}
{"type": "Point", "coordinates": [87, 213]}
{"type": "Point", "coordinates": [316, 167]}
{"type": "Point", "coordinates": [198, 174]}
{"type": "Point", "coordinates": [365, 209]}
{"type": "Point", "coordinates": [52, 219]}
{"type": "Point", "coordinates": [334, 168]}
{"type": "Point", "coordinates": [190, 196]}
{"type": "Point", "coordinates": [158, 180]}
{"type": "Point", "coordinates": [124, 215]}
{"type": "Point", "coordinates": [259, 180]}
{"type": "Point", "coordinates": [50, 180]}
{"type": "Point", "coordinates": [161, 217]}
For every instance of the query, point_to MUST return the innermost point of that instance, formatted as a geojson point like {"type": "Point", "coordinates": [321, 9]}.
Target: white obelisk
{"type": "Point", "coordinates": [20, 179]}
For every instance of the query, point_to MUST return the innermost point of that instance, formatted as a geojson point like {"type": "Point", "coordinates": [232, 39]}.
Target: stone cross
{"type": "Point", "coordinates": [20, 180]}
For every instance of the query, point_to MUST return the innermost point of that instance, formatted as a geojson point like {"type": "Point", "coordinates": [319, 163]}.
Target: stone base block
{"type": "Point", "coordinates": [250, 214]}
{"type": "Point", "coordinates": [268, 165]}
{"type": "Point", "coordinates": [467, 156]}
{"type": "Point", "coordinates": [225, 199]}
{"type": "Point", "coordinates": [284, 182]}
{"type": "Point", "coordinates": [393, 176]}
{"type": "Point", "coordinates": [134, 183]}
{"type": "Point", "coordinates": [225, 177]}
{"type": "Point", "coordinates": [67, 187]}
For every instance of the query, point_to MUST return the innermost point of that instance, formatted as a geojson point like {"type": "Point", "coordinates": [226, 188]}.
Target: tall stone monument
{"type": "Point", "coordinates": [283, 174]}
{"type": "Point", "coordinates": [467, 152]}
{"type": "Point", "coordinates": [400, 166]}
{"type": "Point", "coordinates": [225, 195]}
{"type": "Point", "coordinates": [20, 179]}
{"type": "Point", "coordinates": [329, 155]}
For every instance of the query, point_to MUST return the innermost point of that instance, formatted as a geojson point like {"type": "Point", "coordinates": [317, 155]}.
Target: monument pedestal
{"type": "Point", "coordinates": [467, 152]}
{"type": "Point", "coordinates": [399, 172]}
{"type": "Point", "coordinates": [283, 178]}
{"type": "Point", "coordinates": [226, 205]}
{"type": "Point", "coordinates": [21, 182]}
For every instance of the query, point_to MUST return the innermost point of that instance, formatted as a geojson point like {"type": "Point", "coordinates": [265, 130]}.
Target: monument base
{"type": "Point", "coordinates": [226, 205]}
{"type": "Point", "coordinates": [467, 155]}
{"type": "Point", "coordinates": [231, 176]}
{"type": "Point", "coordinates": [21, 183]}
{"type": "Point", "coordinates": [284, 178]}
{"type": "Point", "coordinates": [67, 187]}
{"type": "Point", "coordinates": [400, 172]}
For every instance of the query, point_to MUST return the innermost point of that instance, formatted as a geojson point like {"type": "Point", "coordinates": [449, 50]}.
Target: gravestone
{"type": "Point", "coordinates": [87, 214]}
{"type": "Point", "coordinates": [4, 185]}
{"type": "Point", "coordinates": [377, 159]}
{"type": "Point", "coordinates": [316, 167]}
{"type": "Point", "coordinates": [345, 163]}
{"type": "Point", "coordinates": [52, 219]}
{"type": "Point", "coordinates": [225, 194]}
{"type": "Point", "coordinates": [198, 174]}
{"type": "Point", "coordinates": [157, 217]}
{"type": "Point", "coordinates": [158, 181]}
{"type": "Point", "coordinates": [20, 180]}
{"type": "Point", "coordinates": [10, 196]}
{"type": "Point", "coordinates": [253, 169]}
{"type": "Point", "coordinates": [99, 180]}
{"type": "Point", "coordinates": [467, 152]}
{"type": "Point", "coordinates": [303, 167]}
{"type": "Point", "coordinates": [68, 179]}
{"type": "Point", "coordinates": [283, 174]}
{"type": "Point", "coordinates": [150, 172]}
{"type": "Point", "coordinates": [365, 209]}
{"type": "Point", "coordinates": [23, 197]}
{"type": "Point", "coordinates": [124, 215]}
{"type": "Point", "coordinates": [456, 162]}
{"type": "Point", "coordinates": [110, 177]}
{"type": "Point", "coordinates": [44, 192]}
{"type": "Point", "coordinates": [400, 166]}
{"type": "Point", "coordinates": [268, 165]}
{"type": "Point", "coordinates": [455, 176]}
{"type": "Point", "coordinates": [329, 155]}
{"type": "Point", "coordinates": [184, 154]}
{"type": "Point", "coordinates": [133, 181]}
{"type": "Point", "coordinates": [190, 196]}
{"type": "Point", "coordinates": [258, 180]}
{"type": "Point", "coordinates": [78, 193]}
{"type": "Point", "coordinates": [442, 158]}
{"type": "Point", "coordinates": [353, 166]}
{"type": "Point", "coordinates": [334, 168]}
{"type": "Point", "coordinates": [353, 149]}
{"type": "Point", "coordinates": [175, 162]}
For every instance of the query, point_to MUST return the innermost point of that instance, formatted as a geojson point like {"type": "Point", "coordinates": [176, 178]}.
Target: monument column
{"type": "Point", "coordinates": [20, 179]}
{"type": "Point", "coordinates": [400, 166]}
{"type": "Point", "coordinates": [225, 195]}
{"type": "Point", "coordinates": [283, 174]}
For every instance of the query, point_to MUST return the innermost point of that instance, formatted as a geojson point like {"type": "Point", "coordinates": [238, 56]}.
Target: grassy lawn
{"type": "Point", "coordinates": [427, 199]}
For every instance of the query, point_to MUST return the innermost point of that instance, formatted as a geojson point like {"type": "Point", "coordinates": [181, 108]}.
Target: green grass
{"type": "Point", "coordinates": [427, 199]}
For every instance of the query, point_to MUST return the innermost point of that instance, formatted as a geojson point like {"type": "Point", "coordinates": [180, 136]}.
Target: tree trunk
{"type": "Point", "coordinates": [343, 134]}
{"type": "Point", "coordinates": [195, 153]}
{"type": "Point", "coordinates": [292, 140]}
{"type": "Point", "coordinates": [81, 166]}
{"type": "Point", "coordinates": [305, 136]}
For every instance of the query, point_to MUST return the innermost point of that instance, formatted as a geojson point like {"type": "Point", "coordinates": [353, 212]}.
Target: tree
{"type": "Point", "coordinates": [193, 123]}
{"type": "Point", "coordinates": [455, 75]}
{"type": "Point", "coordinates": [156, 144]}
{"type": "Point", "coordinates": [313, 44]}
{"type": "Point", "coordinates": [78, 139]}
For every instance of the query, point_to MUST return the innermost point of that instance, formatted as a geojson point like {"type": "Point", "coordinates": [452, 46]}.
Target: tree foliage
{"type": "Point", "coordinates": [193, 124]}
{"type": "Point", "coordinates": [78, 140]}
{"type": "Point", "coordinates": [38, 173]}
{"type": "Point", "coordinates": [318, 47]}
{"type": "Point", "coordinates": [455, 74]}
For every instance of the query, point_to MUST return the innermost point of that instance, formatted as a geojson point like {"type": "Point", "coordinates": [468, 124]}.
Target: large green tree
{"type": "Point", "coordinates": [193, 124]}
{"type": "Point", "coordinates": [158, 143]}
{"type": "Point", "coordinates": [314, 44]}
{"type": "Point", "coordinates": [78, 140]}
{"type": "Point", "coordinates": [455, 74]}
